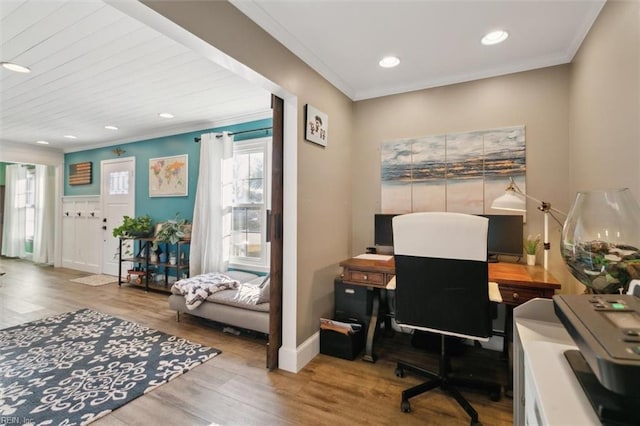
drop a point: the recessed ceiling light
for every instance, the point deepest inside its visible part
(389, 62)
(43, 142)
(15, 67)
(165, 115)
(70, 137)
(111, 127)
(494, 37)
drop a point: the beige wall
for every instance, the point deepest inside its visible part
(324, 206)
(537, 99)
(605, 104)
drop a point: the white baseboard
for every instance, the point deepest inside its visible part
(294, 360)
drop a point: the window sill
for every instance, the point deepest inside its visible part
(249, 267)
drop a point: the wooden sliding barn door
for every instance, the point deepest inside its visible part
(275, 233)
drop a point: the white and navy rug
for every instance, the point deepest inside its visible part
(76, 367)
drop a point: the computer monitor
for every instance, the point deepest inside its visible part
(505, 235)
(383, 235)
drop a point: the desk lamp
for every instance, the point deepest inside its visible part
(515, 200)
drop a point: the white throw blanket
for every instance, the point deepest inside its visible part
(196, 290)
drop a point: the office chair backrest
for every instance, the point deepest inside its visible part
(442, 273)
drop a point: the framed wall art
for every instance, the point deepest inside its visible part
(459, 172)
(316, 127)
(168, 176)
(80, 173)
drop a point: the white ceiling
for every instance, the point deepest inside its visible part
(93, 65)
(437, 41)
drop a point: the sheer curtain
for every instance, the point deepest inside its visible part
(13, 233)
(211, 234)
(44, 214)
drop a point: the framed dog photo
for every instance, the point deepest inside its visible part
(316, 127)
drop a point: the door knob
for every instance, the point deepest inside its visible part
(104, 227)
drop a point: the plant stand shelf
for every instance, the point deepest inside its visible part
(145, 271)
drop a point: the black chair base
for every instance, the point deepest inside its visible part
(447, 383)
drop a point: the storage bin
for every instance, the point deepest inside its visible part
(342, 345)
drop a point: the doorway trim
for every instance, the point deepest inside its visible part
(291, 358)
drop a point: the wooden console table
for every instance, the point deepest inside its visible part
(518, 284)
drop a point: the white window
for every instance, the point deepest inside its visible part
(251, 198)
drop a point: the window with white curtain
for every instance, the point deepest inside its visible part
(30, 204)
(251, 175)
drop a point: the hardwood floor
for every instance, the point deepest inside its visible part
(235, 388)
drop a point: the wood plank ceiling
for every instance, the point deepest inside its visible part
(94, 66)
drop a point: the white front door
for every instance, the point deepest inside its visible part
(118, 189)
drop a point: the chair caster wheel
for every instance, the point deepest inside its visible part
(476, 423)
(405, 407)
(399, 372)
(494, 396)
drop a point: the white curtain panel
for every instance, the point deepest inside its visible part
(13, 234)
(44, 214)
(211, 234)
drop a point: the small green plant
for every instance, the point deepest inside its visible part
(170, 231)
(134, 227)
(531, 244)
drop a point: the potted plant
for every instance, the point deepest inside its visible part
(531, 246)
(171, 231)
(134, 227)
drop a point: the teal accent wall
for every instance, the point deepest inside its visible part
(159, 208)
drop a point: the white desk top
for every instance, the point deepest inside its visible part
(542, 339)
(561, 400)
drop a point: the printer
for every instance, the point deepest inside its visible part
(606, 330)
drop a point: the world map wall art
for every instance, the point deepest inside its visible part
(168, 176)
(461, 172)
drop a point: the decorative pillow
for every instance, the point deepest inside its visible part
(254, 291)
(265, 281)
(247, 294)
(264, 290)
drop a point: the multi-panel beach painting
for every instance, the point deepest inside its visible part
(461, 172)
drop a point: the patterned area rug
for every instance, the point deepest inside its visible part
(95, 280)
(76, 367)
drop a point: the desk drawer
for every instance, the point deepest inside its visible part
(372, 278)
(517, 295)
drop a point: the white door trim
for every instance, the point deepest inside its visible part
(103, 205)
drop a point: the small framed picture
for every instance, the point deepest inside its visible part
(316, 127)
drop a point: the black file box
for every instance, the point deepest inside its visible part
(342, 345)
(352, 301)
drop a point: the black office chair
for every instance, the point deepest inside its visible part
(442, 287)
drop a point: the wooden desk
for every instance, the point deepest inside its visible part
(518, 283)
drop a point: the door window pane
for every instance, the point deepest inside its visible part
(119, 183)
